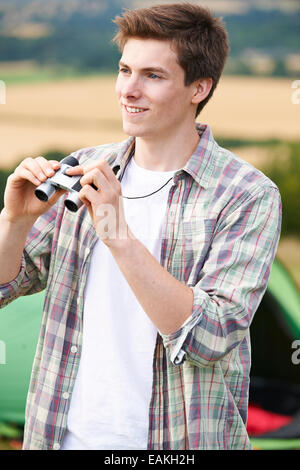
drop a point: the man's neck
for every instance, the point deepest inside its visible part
(166, 154)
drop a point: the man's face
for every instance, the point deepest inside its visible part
(150, 88)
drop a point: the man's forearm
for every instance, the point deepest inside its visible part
(167, 301)
(12, 242)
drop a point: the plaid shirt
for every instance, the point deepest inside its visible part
(220, 235)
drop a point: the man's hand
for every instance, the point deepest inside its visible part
(105, 203)
(21, 209)
(20, 202)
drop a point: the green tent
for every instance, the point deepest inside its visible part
(19, 329)
(275, 377)
(275, 380)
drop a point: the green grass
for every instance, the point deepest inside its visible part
(43, 74)
(275, 444)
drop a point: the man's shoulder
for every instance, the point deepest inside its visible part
(235, 171)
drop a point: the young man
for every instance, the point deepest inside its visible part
(152, 285)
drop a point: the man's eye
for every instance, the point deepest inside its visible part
(153, 76)
(124, 70)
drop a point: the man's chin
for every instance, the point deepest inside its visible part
(132, 131)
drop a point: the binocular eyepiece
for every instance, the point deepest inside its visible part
(60, 180)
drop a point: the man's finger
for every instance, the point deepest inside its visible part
(96, 178)
(75, 170)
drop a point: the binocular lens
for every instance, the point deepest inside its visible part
(45, 191)
(72, 202)
(71, 205)
(41, 195)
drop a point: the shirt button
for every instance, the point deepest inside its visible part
(74, 349)
(66, 395)
(56, 446)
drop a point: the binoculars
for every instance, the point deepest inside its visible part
(60, 180)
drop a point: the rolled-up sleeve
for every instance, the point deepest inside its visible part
(231, 282)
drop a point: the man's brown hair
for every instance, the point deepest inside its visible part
(200, 40)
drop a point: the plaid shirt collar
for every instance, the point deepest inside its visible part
(200, 165)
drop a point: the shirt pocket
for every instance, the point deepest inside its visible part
(197, 232)
(196, 237)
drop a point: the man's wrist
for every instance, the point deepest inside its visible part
(22, 224)
(122, 243)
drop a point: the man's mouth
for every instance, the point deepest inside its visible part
(134, 109)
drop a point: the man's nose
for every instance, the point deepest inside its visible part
(132, 87)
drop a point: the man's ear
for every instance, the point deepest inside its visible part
(201, 90)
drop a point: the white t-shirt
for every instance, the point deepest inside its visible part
(110, 402)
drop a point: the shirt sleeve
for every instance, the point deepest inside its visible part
(231, 283)
(33, 273)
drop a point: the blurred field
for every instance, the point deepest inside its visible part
(64, 115)
(289, 254)
(78, 112)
